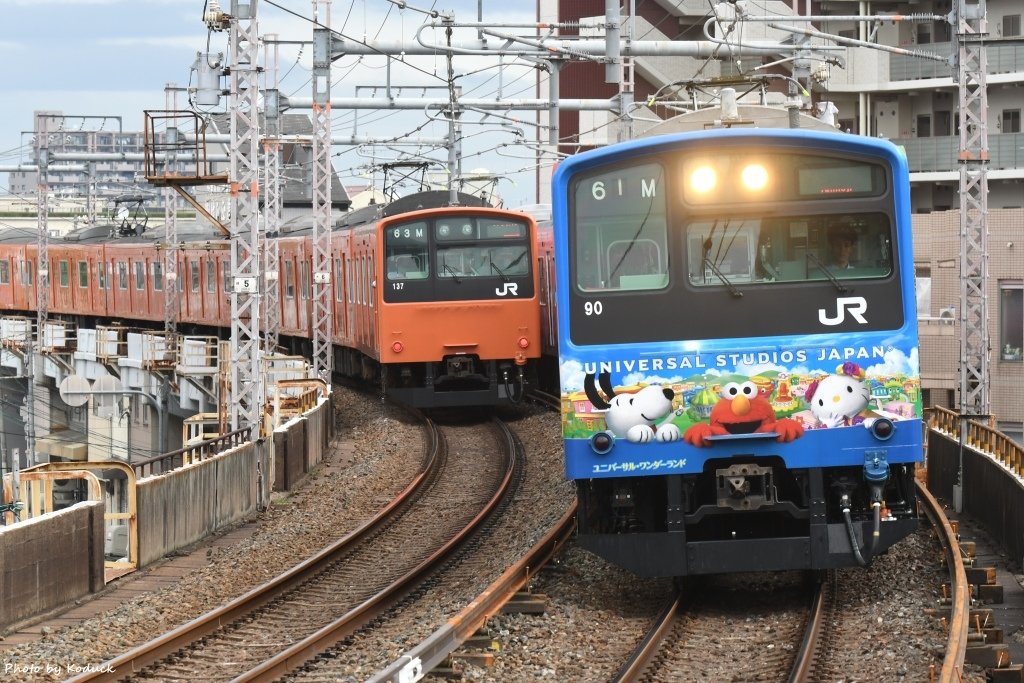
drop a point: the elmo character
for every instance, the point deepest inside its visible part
(742, 410)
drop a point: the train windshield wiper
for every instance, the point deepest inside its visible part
(840, 287)
(446, 267)
(504, 278)
(725, 281)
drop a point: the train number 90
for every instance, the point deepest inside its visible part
(593, 308)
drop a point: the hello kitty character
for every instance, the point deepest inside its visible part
(839, 399)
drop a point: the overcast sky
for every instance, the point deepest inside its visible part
(114, 57)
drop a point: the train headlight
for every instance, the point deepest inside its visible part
(602, 442)
(467, 229)
(754, 177)
(397, 347)
(882, 429)
(703, 179)
(443, 230)
(524, 343)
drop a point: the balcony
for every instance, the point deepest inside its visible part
(1006, 150)
(1001, 59)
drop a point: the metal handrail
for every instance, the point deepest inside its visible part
(193, 453)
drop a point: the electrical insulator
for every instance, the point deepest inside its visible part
(214, 18)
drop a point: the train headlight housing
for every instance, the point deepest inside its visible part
(602, 442)
(397, 347)
(524, 343)
(754, 177)
(703, 179)
(882, 429)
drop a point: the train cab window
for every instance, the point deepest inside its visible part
(477, 246)
(193, 271)
(83, 274)
(140, 275)
(405, 251)
(621, 230)
(211, 275)
(789, 249)
(158, 276)
(122, 275)
(289, 280)
(64, 273)
(5, 272)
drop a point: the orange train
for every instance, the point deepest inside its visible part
(444, 306)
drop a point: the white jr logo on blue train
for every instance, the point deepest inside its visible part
(857, 305)
(509, 288)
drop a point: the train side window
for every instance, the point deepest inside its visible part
(140, 275)
(225, 272)
(5, 272)
(211, 275)
(337, 279)
(289, 280)
(101, 275)
(64, 273)
(304, 276)
(83, 274)
(27, 266)
(348, 280)
(158, 276)
(122, 275)
(193, 267)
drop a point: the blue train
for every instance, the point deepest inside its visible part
(738, 350)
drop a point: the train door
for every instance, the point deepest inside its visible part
(156, 286)
(60, 287)
(139, 290)
(6, 279)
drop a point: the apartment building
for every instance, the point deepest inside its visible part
(909, 99)
(110, 178)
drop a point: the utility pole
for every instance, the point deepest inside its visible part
(323, 356)
(971, 64)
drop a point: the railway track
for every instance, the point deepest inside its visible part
(801, 633)
(290, 619)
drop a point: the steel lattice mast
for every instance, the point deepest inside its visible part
(172, 305)
(974, 342)
(246, 387)
(271, 192)
(322, 320)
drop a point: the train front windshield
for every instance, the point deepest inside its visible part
(457, 257)
(730, 245)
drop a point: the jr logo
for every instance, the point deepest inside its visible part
(857, 305)
(508, 288)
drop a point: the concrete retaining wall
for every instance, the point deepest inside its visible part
(991, 494)
(300, 444)
(50, 561)
(184, 505)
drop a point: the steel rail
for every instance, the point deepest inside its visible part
(144, 655)
(322, 640)
(646, 651)
(959, 616)
(803, 667)
(436, 647)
